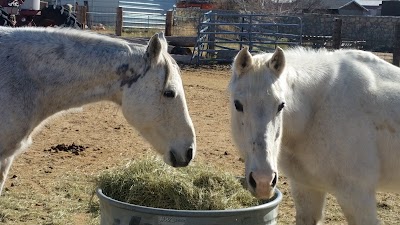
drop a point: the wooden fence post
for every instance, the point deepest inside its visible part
(86, 3)
(118, 25)
(396, 47)
(337, 33)
(81, 14)
(168, 23)
(87, 22)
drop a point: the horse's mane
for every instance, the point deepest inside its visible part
(305, 54)
(304, 61)
(70, 32)
(86, 37)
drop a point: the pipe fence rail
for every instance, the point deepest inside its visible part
(221, 35)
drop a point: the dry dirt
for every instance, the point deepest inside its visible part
(51, 183)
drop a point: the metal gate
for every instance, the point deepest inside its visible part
(221, 35)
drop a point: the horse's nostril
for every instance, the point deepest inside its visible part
(252, 182)
(273, 184)
(189, 154)
(173, 158)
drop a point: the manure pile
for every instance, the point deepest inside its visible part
(150, 182)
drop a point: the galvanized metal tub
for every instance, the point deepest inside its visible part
(113, 212)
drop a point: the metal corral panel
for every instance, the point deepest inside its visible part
(145, 13)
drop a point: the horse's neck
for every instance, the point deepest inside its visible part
(81, 77)
(83, 89)
(306, 89)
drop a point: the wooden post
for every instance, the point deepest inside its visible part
(168, 23)
(81, 15)
(86, 4)
(88, 22)
(118, 25)
(396, 47)
(337, 33)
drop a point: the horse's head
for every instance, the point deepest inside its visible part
(256, 118)
(153, 101)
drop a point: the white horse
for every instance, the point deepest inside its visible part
(46, 70)
(329, 120)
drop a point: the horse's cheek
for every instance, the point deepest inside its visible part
(239, 135)
(127, 111)
(131, 109)
(140, 108)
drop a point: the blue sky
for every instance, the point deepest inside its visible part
(369, 2)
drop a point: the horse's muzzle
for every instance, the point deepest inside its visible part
(262, 185)
(177, 161)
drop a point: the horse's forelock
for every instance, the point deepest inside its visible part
(258, 77)
(260, 68)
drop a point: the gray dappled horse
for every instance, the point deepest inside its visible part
(47, 70)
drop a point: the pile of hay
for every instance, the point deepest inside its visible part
(150, 182)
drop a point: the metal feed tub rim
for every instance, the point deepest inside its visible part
(190, 213)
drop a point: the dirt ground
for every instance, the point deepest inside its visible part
(47, 185)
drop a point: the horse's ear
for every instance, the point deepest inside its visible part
(277, 61)
(243, 61)
(154, 47)
(163, 40)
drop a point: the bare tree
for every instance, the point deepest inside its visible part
(271, 6)
(308, 6)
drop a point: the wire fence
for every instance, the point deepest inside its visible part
(143, 21)
(107, 19)
(101, 20)
(186, 21)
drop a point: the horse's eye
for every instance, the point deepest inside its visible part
(169, 94)
(280, 107)
(238, 106)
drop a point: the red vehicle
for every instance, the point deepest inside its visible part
(201, 4)
(17, 13)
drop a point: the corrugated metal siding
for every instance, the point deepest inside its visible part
(136, 14)
(145, 13)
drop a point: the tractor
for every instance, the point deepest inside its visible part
(18, 13)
